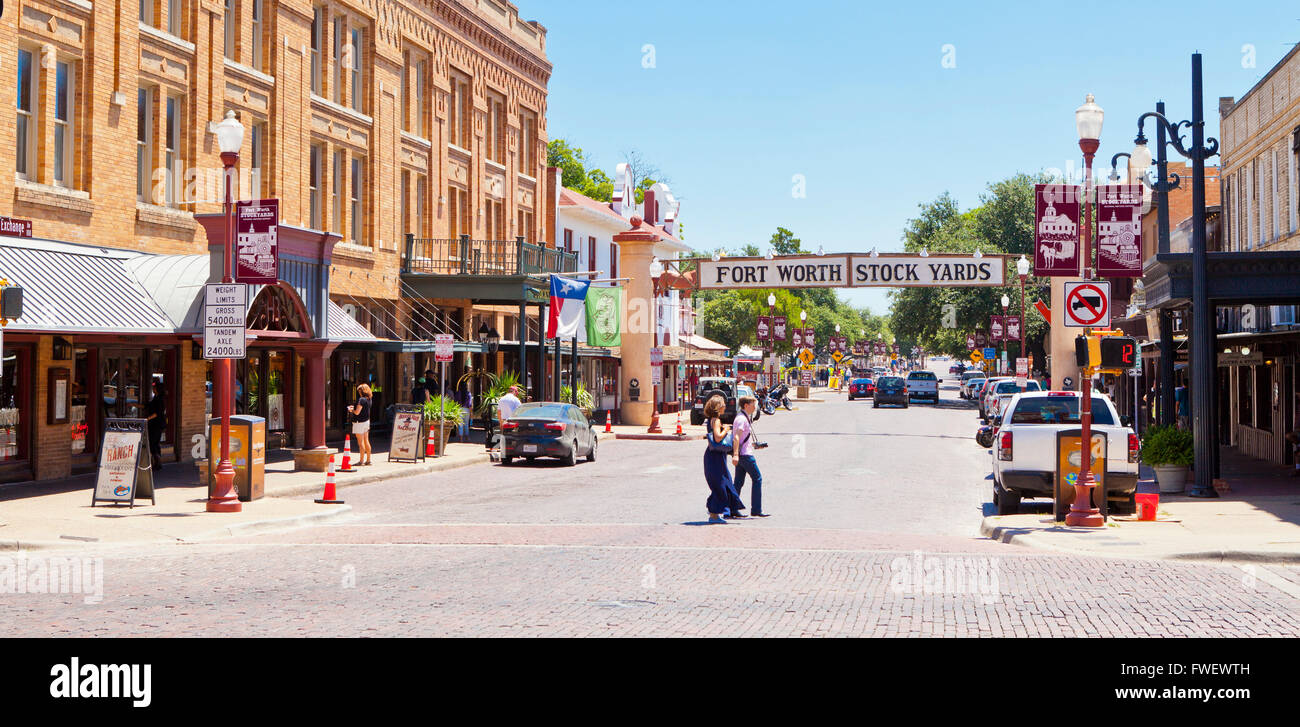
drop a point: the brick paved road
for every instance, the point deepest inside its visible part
(608, 549)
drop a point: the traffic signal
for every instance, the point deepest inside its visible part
(1106, 352)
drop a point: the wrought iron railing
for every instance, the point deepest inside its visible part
(463, 256)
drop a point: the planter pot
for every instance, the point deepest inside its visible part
(440, 445)
(1172, 478)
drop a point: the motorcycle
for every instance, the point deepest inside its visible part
(986, 436)
(766, 403)
(781, 395)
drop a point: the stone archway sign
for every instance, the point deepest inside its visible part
(885, 270)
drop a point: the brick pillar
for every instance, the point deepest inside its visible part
(636, 250)
(192, 398)
(52, 447)
(314, 407)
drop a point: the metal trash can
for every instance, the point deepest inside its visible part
(247, 454)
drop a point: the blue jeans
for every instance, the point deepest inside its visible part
(749, 465)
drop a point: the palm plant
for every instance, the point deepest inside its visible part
(444, 409)
(585, 401)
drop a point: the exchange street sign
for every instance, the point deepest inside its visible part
(225, 308)
(892, 270)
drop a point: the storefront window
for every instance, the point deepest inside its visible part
(1244, 395)
(1264, 398)
(277, 369)
(13, 424)
(80, 401)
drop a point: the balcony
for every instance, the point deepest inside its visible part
(496, 271)
(464, 256)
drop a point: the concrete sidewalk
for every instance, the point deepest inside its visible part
(1253, 522)
(59, 515)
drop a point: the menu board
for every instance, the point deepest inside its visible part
(407, 427)
(125, 468)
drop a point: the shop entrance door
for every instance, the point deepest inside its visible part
(122, 385)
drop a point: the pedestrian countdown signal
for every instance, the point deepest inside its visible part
(1106, 352)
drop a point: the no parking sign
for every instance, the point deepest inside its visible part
(1087, 303)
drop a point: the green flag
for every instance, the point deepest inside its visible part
(604, 317)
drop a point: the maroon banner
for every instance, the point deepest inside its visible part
(809, 337)
(778, 328)
(970, 343)
(257, 249)
(1119, 231)
(797, 338)
(1056, 230)
(764, 328)
(981, 340)
(1011, 330)
(996, 333)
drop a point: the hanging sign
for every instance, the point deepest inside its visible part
(808, 337)
(981, 340)
(1119, 231)
(1056, 230)
(764, 327)
(778, 327)
(970, 343)
(995, 329)
(797, 337)
(125, 468)
(1011, 328)
(408, 426)
(257, 248)
(890, 270)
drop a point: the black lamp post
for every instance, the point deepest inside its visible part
(1164, 184)
(1202, 358)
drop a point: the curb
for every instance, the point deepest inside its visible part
(252, 526)
(1012, 536)
(428, 468)
(660, 437)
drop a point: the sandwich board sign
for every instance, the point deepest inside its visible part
(408, 425)
(125, 468)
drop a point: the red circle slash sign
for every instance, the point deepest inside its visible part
(1085, 301)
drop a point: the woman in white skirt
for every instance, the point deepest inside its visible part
(361, 423)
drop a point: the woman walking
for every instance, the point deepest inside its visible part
(157, 411)
(361, 423)
(722, 494)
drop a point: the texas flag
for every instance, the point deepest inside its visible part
(568, 307)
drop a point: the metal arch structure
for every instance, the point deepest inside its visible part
(853, 270)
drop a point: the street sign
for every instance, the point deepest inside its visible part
(656, 356)
(1022, 372)
(1087, 303)
(806, 357)
(14, 227)
(977, 356)
(257, 246)
(657, 366)
(443, 344)
(225, 308)
(837, 356)
(990, 354)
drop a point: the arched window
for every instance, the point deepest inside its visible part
(277, 309)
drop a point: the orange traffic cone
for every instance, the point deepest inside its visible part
(679, 424)
(331, 496)
(431, 447)
(347, 454)
(609, 421)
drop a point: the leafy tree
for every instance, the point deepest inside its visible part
(785, 243)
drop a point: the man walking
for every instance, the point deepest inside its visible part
(506, 407)
(742, 457)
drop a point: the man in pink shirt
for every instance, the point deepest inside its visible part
(742, 453)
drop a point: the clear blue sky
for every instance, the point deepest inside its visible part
(854, 96)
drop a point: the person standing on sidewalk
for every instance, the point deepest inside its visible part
(742, 458)
(506, 407)
(157, 410)
(361, 423)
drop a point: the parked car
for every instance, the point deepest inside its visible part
(744, 389)
(890, 390)
(969, 386)
(1024, 459)
(548, 429)
(923, 385)
(1003, 392)
(966, 376)
(986, 391)
(709, 386)
(956, 369)
(861, 388)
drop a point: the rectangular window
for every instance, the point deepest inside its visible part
(146, 11)
(317, 27)
(338, 59)
(459, 112)
(1245, 391)
(357, 191)
(406, 207)
(454, 217)
(406, 90)
(1249, 208)
(257, 142)
(314, 186)
(144, 145)
(1277, 200)
(526, 225)
(528, 145)
(421, 99)
(336, 193)
(613, 260)
(357, 96)
(1293, 188)
(27, 96)
(64, 83)
(256, 60)
(495, 143)
(230, 30)
(172, 138)
(174, 17)
(1262, 221)
(591, 255)
(1264, 398)
(421, 191)
(568, 240)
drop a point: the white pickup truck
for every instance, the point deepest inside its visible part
(923, 385)
(1024, 448)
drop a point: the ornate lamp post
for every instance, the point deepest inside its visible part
(1022, 269)
(230, 137)
(771, 338)
(656, 272)
(1088, 120)
(1006, 303)
(1202, 359)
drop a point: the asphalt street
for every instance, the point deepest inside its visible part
(874, 532)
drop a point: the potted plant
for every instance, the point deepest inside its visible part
(447, 411)
(585, 401)
(1170, 453)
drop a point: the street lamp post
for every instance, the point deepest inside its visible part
(1006, 303)
(1202, 359)
(771, 338)
(656, 272)
(1088, 120)
(1022, 268)
(224, 498)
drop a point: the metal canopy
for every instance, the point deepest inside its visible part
(483, 289)
(1263, 278)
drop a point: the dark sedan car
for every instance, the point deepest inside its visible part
(890, 390)
(548, 429)
(861, 388)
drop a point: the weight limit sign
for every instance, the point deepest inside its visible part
(1087, 304)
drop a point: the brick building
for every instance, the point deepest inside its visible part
(374, 123)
